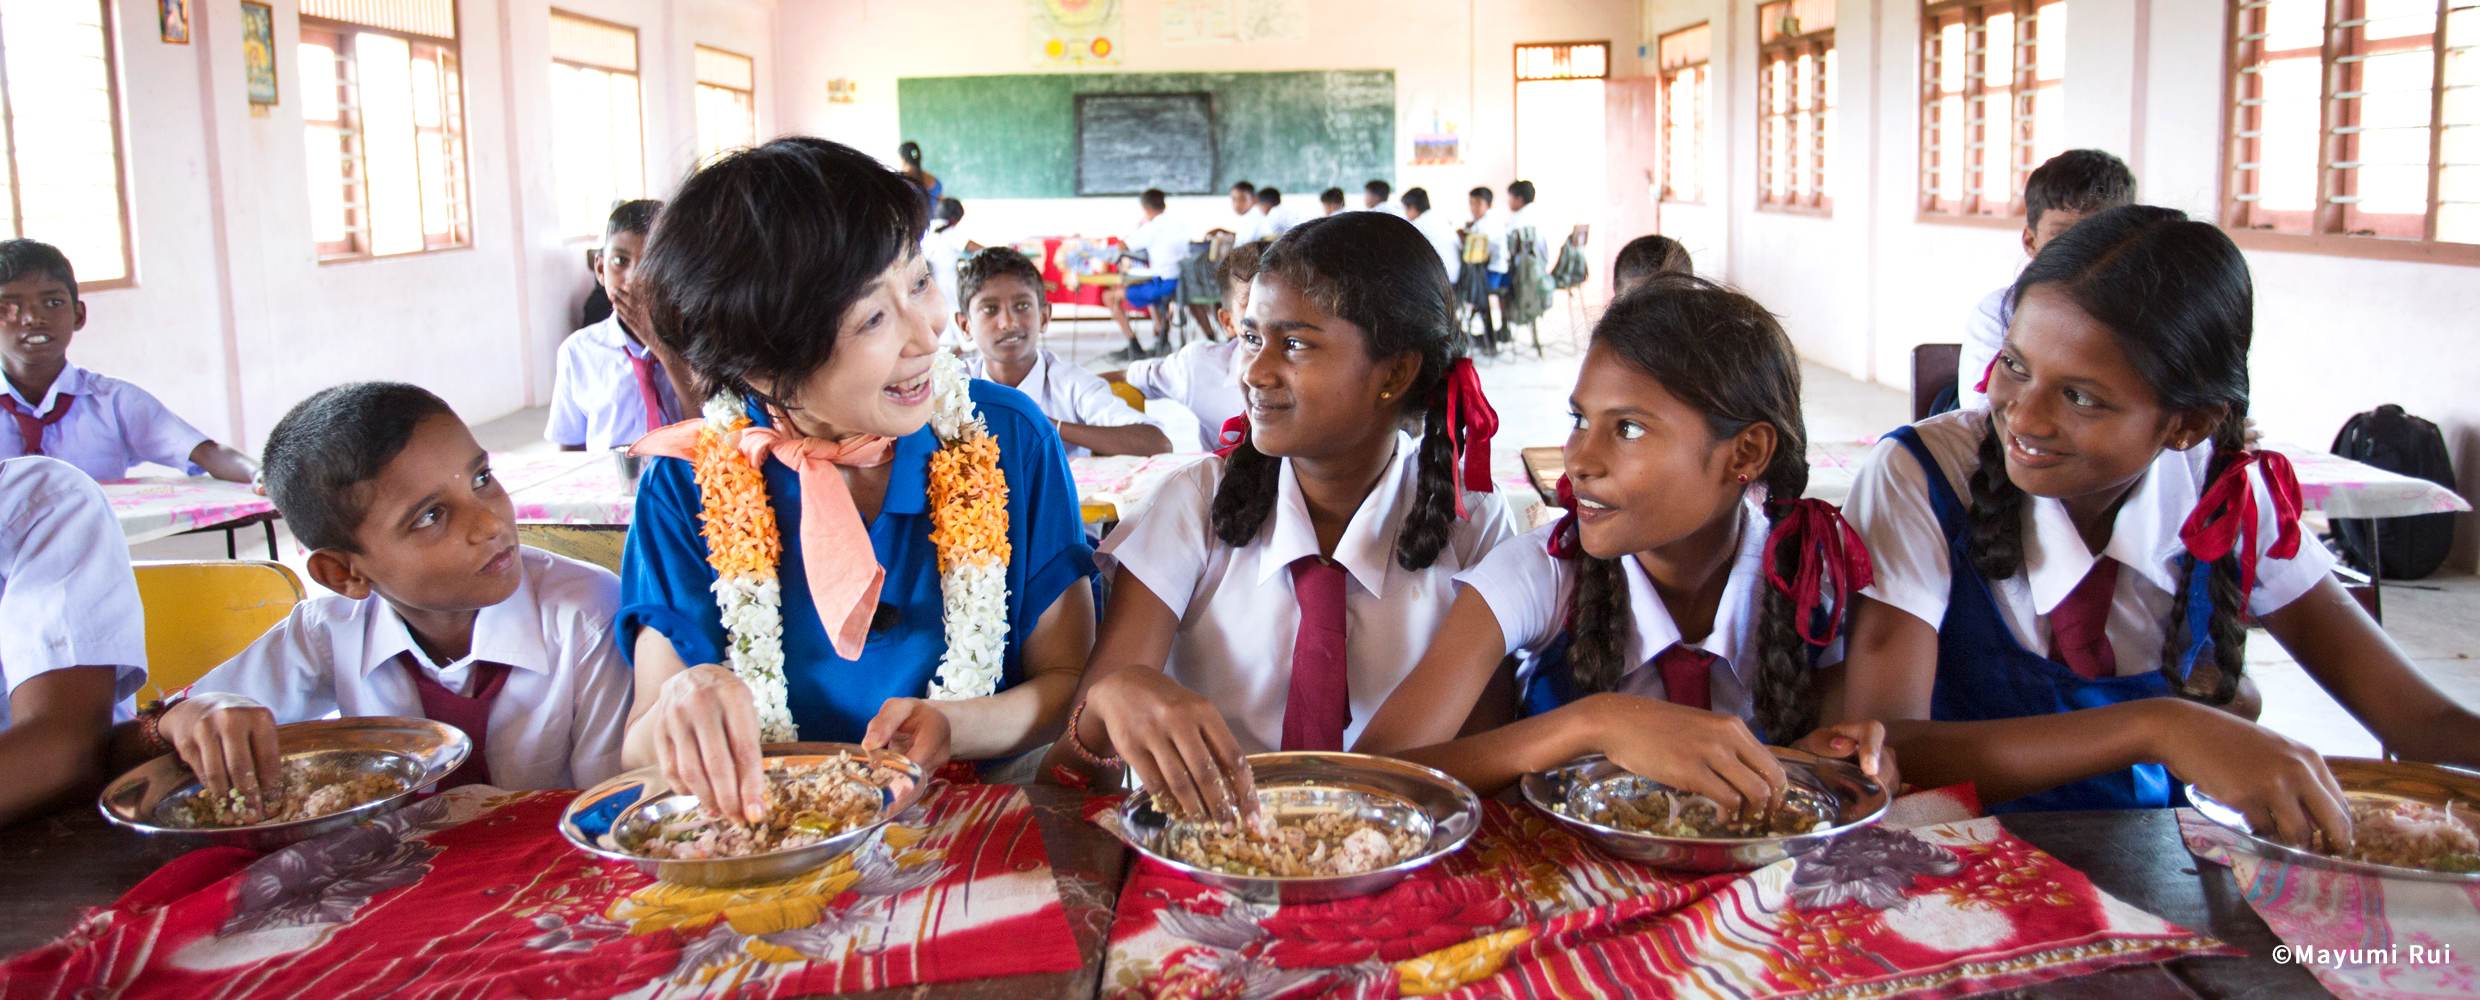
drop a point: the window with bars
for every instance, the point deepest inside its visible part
(2357, 118)
(1992, 103)
(1795, 104)
(598, 144)
(383, 127)
(60, 120)
(1686, 59)
(727, 102)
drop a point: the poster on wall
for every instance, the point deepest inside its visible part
(1073, 32)
(173, 21)
(1232, 22)
(258, 52)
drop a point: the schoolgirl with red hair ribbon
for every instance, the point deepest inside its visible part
(1675, 617)
(2060, 577)
(1273, 597)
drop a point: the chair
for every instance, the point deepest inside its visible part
(1933, 374)
(200, 614)
(1128, 394)
(600, 544)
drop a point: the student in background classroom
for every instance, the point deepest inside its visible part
(944, 246)
(1199, 375)
(1248, 224)
(98, 423)
(1661, 618)
(1438, 228)
(932, 190)
(611, 386)
(1645, 258)
(1278, 220)
(1157, 245)
(2068, 188)
(74, 647)
(2059, 578)
(1330, 201)
(1491, 226)
(438, 613)
(1005, 312)
(1374, 197)
(1273, 597)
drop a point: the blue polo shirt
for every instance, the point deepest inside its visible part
(665, 581)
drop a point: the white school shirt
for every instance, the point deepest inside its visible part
(1068, 394)
(1238, 618)
(1199, 377)
(595, 401)
(66, 594)
(1440, 232)
(1281, 221)
(1250, 226)
(558, 720)
(1493, 224)
(1889, 505)
(1528, 589)
(1164, 242)
(943, 248)
(112, 426)
(1984, 335)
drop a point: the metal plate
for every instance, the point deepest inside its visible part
(1859, 801)
(1395, 792)
(2362, 778)
(641, 797)
(417, 750)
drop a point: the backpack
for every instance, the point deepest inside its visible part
(2407, 547)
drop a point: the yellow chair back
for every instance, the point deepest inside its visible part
(1129, 394)
(200, 614)
(600, 544)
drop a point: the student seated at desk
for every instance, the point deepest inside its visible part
(611, 387)
(1278, 220)
(1248, 224)
(1644, 259)
(1005, 312)
(1374, 197)
(98, 423)
(1439, 229)
(1330, 201)
(438, 613)
(2060, 193)
(1199, 376)
(74, 646)
(1159, 244)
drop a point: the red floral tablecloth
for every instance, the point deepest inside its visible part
(472, 894)
(1938, 910)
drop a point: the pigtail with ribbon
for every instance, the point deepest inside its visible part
(1829, 564)
(1235, 430)
(2225, 524)
(1471, 423)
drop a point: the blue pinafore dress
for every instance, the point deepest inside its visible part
(1983, 673)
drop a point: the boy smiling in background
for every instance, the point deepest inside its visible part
(1005, 312)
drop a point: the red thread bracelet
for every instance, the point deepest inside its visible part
(1078, 745)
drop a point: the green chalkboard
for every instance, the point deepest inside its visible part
(1015, 136)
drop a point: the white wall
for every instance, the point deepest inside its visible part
(233, 320)
(2334, 335)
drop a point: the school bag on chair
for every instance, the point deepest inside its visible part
(1571, 270)
(2407, 548)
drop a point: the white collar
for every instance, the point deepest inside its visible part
(609, 333)
(978, 366)
(509, 632)
(1657, 631)
(2144, 536)
(1367, 548)
(73, 381)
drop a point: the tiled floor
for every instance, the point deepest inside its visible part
(2436, 621)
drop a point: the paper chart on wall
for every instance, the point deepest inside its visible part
(1227, 22)
(1073, 32)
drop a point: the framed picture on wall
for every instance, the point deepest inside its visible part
(258, 51)
(174, 20)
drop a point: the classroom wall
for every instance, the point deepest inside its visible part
(2334, 335)
(232, 320)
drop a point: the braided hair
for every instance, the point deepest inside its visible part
(1721, 353)
(2176, 297)
(1378, 273)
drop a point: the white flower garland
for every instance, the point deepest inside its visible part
(751, 603)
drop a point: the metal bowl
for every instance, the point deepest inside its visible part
(418, 751)
(1859, 801)
(623, 809)
(2362, 778)
(1381, 789)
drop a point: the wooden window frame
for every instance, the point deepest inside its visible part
(1697, 75)
(2335, 178)
(120, 151)
(636, 75)
(2024, 93)
(750, 95)
(1603, 45)
(1787, 52)
(356, 246)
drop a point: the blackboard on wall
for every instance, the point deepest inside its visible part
(1126, 143)
(1015, 136)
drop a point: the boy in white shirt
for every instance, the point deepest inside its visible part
(74, 647)
(1438, 229)
(1162, 242)
(1248, 224)
(1276, 220)
(1005, 311)
(2060, 193)
(97, 423)
(442, 615)
(610, 387)
(1199, 376)
(1330, 201)
(1491, 225)
(1374, 197)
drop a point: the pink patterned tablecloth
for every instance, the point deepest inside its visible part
(2327, 482)
(149, 509)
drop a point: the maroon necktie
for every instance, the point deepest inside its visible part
(2079, 630)
(30, 427)
(649, 375)
(1687, 676)
(470, 713)
(1319, 704)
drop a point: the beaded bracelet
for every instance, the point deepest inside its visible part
(1078, 745)
(150, 726)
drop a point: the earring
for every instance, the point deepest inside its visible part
(1386, 395)
(1743, 479)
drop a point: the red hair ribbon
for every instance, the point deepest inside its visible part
(1564, 543)
(1471, 423)
(1832, 563)
(2226, 515)
(1982, 386)
(1235, 430)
